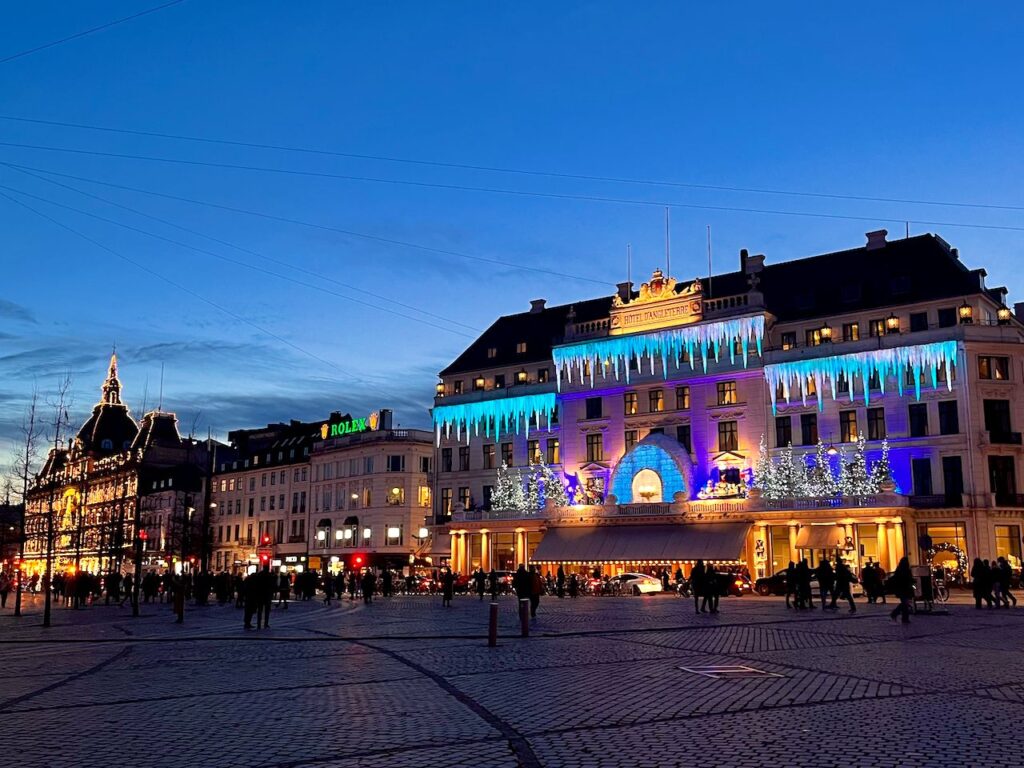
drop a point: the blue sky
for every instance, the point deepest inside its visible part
(910, 101)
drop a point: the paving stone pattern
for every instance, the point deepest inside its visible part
(600, 682)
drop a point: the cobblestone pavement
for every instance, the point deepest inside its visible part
(600, 682)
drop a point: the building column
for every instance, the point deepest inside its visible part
(792, 542)
(485, 550)
(454, 559)
(520, 548)
(899, 548)
(883, 547)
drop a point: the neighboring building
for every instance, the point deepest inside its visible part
(10, 535)
(371, 493)
(85, 495)
(652, 404)
(261, 497)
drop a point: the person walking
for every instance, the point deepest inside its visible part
(447, 588)
(284, 590)
(1006, 578)
(980, 586)
(369, 586)
(710, 590)
(352, 585)
(495, 584)
(265, 584)
(536, 588)
(387, 580)
(902, 584)
(5, 589)
(248, 592)
(844, 578)
(826, 583)
(328, 588)
(126, 592)
(560, 582)
(480, 580)
(791, 584)
(574, 586)
(804, 597)
(697, 576)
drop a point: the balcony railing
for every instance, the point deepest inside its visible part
(296, 538)
(1004, 438)
(1015, 500)
(936, 500)
(655, 508)
(826, 502)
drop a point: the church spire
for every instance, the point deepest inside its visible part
(112, 386)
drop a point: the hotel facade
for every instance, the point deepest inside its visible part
(679, 415)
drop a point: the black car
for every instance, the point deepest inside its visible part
(776, 585)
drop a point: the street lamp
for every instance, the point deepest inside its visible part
(966, 312)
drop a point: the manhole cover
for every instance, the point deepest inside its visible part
(728, 672)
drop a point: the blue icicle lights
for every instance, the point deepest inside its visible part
(862, 366)
(615, 352)
(504, 412)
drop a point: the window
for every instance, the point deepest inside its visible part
(488, 493)
(506, 454)
(302, 502)
(353, 467)
(252, 504)
(446, 502)
(727, 436)
(499, 380)
(847, 426)
(295, 502)
(542, 375)
(683, 436)
(393, 535)
(595, 447)
(997, 368)
(657, 431)
(682, 398)
(396, 463)
(492, 352)
(727, 393)
(446, 459)
(327, 501)
(918, 321)
(457, 387)
(921, 471)
(520, 347)
(918, 419)
(263, 480)
(657, 400)
(947, 317)
(631, 403)
(631, 438)
(263, 503)
(273, 475)
(1002, 478)
(812, 337)
(783, 431)
(533, 451)
(949, 419)
(464, 458)
(1008, 544)
(488, 451)
(877, 327)
(368, 465)
(424, 464)
(876, 424)
(553, 454)
(464, 496)
(593, 406)
(280, 501)
(874, 381)
(851, 332)
(789, 340)
(953, 478)
(252, 483)
(997, 416)
(842, 384)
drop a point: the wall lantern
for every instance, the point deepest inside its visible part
(478, 382)
(521, 377)
(440, 389)
(825, 334)
(966, 312)
(892, 324)
(1003, 315)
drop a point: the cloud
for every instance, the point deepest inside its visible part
(11, 311)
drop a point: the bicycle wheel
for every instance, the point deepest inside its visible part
(941, 593)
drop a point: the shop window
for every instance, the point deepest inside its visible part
(946, 539)
(781, 552)
(1008, 544)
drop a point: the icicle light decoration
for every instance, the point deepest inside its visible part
(505, 412)
(861, 366)
(615, 352)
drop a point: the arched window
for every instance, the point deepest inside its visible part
(107, 445)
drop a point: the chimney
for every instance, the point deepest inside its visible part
(624, 290)
(876, 239)
(743, 259)
(1018, 311)
(537, 305)
(955, 253)
(385, 419)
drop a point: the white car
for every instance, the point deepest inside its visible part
(639, 583)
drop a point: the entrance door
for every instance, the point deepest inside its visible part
(1002, 478)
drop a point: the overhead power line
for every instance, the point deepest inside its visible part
(86, 32)
(502, 191)
(511, 171)
(315, 225)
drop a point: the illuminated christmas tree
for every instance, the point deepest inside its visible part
(854, 478)
(881, 472)
(552, 487)
(534, 499)
(821, 480)
(508, 490)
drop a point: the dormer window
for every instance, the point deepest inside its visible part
(521, 348)
(107, 445)
(492, 352)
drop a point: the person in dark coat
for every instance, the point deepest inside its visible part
(352, 585)
(480, 580)
(574, 586)
(826, 583)
(844, 578)
(369, 586)
(980, 584)
(536, 588)
(328, 588)
(1006, 579)
(791, 584)
(560, 581)
(521, 583)
(265, 584)
(712, 588)
(697, 579)
(447, 587)
(387, 580)
(284, 590)
(249, 592)
(495, 584)
(804, 599)
(902, 585)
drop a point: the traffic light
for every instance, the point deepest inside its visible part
(143, 535)
(357, 560)
(264, 558)
(265, 540)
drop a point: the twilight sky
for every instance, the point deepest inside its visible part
(263, 317)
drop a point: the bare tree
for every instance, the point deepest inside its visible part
(60, 404)
(22, 467)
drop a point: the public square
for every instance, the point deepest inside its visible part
(599, 682)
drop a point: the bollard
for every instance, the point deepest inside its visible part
(492, 626)
(524, 617)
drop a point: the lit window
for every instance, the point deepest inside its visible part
(727, 393)
(492, 352)
(521, 348)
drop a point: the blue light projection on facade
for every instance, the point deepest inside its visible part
(616, 352)
(862, 366)
(505, 413)
(650, 457)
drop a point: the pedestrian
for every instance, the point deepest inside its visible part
(574, 586)
(980, 586)
(129, 585)
(495, 584)
(238, 585)
(5, 589)
(249, 594)
(264, 596)
(804, 598)
(387, 579)
(826, 582)
(697, 579)
(560, 581)
(480, 580)
(447, 587)
(369, 585)
(284, 590)
(328, 588)
(536, 588)
(844, 578)
(1006, 578)
(664, 580)
(522, 584)
(791, 584)
(902, 586)
(711, 586)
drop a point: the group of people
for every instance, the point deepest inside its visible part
(704, 587)
(991, 583)
(834, 583)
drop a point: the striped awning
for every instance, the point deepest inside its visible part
(643, 543)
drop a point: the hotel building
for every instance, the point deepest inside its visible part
(652, 406)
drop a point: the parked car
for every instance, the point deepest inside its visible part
(463, 582)
(638, 583)
(776, 584)
(504, 582)
(734, 584)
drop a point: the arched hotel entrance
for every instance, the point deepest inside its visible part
(653, 470)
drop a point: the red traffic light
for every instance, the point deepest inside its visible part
(265, 539)
(143, 535)
(357, 560)
(264, 558)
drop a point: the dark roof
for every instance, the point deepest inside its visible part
(914, 269)
(158, 429)
(109, 421)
